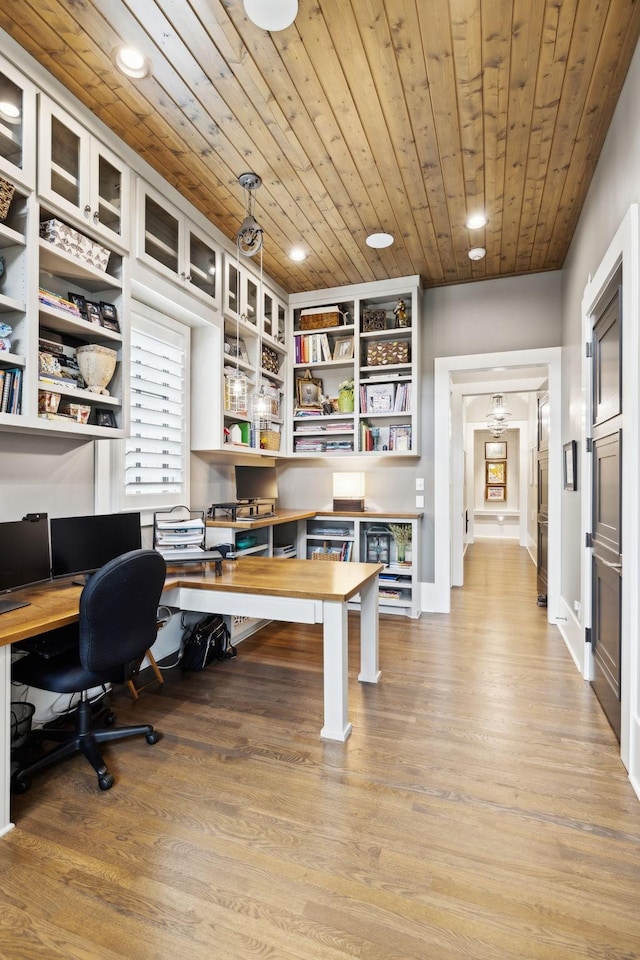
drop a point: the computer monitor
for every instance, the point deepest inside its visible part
(24, 557)
(81, 545)
(256, 483)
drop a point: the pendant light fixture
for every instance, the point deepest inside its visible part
(497, 415)
(250, 235)
(271, 15)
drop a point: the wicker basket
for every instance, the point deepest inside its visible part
(324, 555)
(314, 321)
(7, 191)
(269, 440)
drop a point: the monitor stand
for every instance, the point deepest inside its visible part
(7, 605)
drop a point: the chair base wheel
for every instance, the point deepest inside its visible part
(152, 737)
(21, 786)
(105, 781)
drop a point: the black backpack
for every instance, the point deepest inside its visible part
(206, 640)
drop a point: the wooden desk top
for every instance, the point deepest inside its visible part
(55, 604)
(281, 516)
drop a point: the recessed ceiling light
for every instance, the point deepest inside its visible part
(476, 221)
(477, 253)
(379, 240)
(131, 62)
(9, 111)
(297, 254)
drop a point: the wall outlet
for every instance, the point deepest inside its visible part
(420, 502)
(419, 483)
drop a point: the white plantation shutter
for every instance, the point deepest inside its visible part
(156, 452)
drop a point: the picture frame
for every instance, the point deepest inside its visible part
(79, 301)
(495, 493)
(105, 417)
(495, 471)
(495, 450)
(109, 316)
(569, 465)
(308, 391)
(343, 348)
(93, 312)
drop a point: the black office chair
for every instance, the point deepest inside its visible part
(118, 611)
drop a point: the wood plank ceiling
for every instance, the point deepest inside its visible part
(396, 115)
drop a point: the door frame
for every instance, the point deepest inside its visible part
(444, 437)
(624, 251)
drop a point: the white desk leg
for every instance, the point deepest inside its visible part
(369, 632)
(335, 665)
(5, 740)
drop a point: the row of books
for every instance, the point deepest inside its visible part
(11, 390)
(312, 348)
(49, 299)
(385, 397)
(396, 437)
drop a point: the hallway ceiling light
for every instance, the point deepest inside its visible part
(271, 15)
(497, 415)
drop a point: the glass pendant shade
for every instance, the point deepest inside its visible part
(236, 392)
(271, 15)
(497, 415)
(261, 410)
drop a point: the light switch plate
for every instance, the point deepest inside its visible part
(419, 483)
(420, 502)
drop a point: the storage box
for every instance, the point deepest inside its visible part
(48, 402)
(76, 411)
(314, 320)
(387, 352)
(269, 440)
(374, 320)
(77, 244)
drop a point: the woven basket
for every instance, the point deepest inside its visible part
(269, 440)
(7, 191)
(321, 555)
(314, 321)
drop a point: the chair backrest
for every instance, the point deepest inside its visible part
(118, 610)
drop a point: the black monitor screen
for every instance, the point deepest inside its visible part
(84, 544)
(256, 483)
(24, 552)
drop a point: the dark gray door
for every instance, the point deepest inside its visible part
(606, 432)
(543, 497)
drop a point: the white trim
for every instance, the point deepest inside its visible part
(571, 630)
(624, 249)
(443, 368)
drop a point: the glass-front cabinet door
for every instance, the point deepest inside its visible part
(17, 126)
(80, 175)
(203, 271)
(161, 236)
(241, 300)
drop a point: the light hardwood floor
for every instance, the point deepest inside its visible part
(479, 810)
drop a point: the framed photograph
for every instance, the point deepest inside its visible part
(569, 462)
(495, 450)
(105, 418)
(109, 316)
(495, 492)
(308, 390)
(343, 349)
(93, 312)
(496, 471)
(79, 301)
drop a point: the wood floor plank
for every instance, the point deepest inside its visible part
(479, 810)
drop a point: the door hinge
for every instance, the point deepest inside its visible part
(587, 635)
(588, 349)
(589, 445)
(588, 540)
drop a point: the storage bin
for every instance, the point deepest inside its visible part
(313, 321)
(386, 352)
(269, 440)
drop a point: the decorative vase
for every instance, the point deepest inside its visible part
(401, 551)
(97, 365)
(345, 401)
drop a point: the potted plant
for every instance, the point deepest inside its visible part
(345, 396)
(401, 533)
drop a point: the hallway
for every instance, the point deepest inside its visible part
(478, 812)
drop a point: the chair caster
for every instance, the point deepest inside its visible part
(21, 785)
(109, 719)
(105, 781)
(152, 737)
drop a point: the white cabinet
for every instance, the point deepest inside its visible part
(80, 176)
(355, 381)
(174, 246)
(17, 126)
(369, 538)
(240, 293)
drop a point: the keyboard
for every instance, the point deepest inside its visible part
(51, 644)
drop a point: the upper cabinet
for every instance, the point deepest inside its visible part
(17, 126)
(171, 244)
(240, 293)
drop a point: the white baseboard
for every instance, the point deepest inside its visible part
(573, 635)
(634, 756)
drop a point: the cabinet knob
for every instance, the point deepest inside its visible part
(96, 216)
(87, 208)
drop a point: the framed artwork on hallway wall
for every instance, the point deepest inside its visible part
(495, 493)
(496, 471)
(495, 450)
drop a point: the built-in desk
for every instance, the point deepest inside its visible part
(298, 591)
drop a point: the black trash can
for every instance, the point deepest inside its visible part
(21, 716)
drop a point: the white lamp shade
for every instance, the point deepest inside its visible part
(348, 485)
(271, 15)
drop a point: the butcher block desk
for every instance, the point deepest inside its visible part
(295, 591)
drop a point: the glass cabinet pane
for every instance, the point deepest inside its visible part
(267, 315)
(65, 162)
(109, 195)
(202, 265)
(233, 288)
(280, 331)
(160, 235)
(252, 300)
(11, 121)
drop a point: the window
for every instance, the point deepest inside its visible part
(150, 469)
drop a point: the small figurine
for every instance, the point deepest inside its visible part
(400, 311)
(325, 403)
